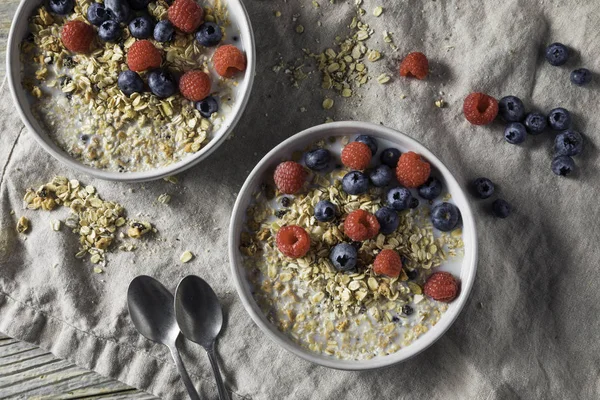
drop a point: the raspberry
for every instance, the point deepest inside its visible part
(361, 225)
(228, 59)
(142, 55)
(480, 109)
(412, 170)
(77, 36)
(186, 15)
(356, 155)
(441, 286)
(293, 241)
(414, 65)
(388, 262)
(289, 177)
(194, 85)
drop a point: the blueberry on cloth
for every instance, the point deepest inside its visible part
(535, 123)
(581, 76)
(445, 216)
(511, 109)
(343, 257)
(563, 165)
(483, 188)
(317, 159)
(559, 119)
(568, 143)
(557, 54)
(501, 208)
(515, 133)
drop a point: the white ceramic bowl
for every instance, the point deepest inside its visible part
(19, 29)
(464, 268)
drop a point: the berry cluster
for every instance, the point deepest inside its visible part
(484, 188)
(557, 54)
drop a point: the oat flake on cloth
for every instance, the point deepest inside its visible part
(530, 328)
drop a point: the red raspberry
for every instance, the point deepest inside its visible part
(356, 155)
(289, 177)
(414, 65)
(412, 170)
(186, 15)
(361, 225)
(228, 59)
(142, 55)
(77, 36)
(293, 241)
(480, 109)
(388, 262)
(441, 286)
(194, 85)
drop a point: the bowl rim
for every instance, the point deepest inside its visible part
(315, 133)
(13, 76)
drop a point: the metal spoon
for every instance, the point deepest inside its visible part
(200, 319)
(151, 309)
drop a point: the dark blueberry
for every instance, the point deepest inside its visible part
(109, 31)
(568, 143)
(280, 213)
(369, 141)
(139, 5)
(163, 31)
(356, 245)
(445, 216)
(207, 106)
(130, 82)
(209, 34)
(563, 165)
(97, 14)
(141, 27)
(581, 76)
(343, 257)
(511, 109)
(317, 159)
(286, 202)
(355, 182)
(388, 220)
(399, 198)
(483, 188)
(61, 7)
(557, 54)
(407, 310)
(119, 9)
(395, 319)
(162, 83)
(535, 123)
(381, 176)
(431, 189)
(325, 211)
(84, 138)
(501, 208)
(515, 133)
(559, 119)
(390, 157)
(412, 274)
(414, 203)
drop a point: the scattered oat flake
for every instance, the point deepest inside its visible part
(378, 11)
(164, 198)
(383, 78)
(22, 225)
(299, 29)
(347, 93)
(55, 224)
(440, 103)
(98, 270)
(277, 13)
(327, 103)
(186, 256)
(171, 179)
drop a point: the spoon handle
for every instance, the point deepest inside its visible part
(183, 373)
(223, 395)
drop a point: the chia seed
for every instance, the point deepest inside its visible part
(407, 310)
(286, 202)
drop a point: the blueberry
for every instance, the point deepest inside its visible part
(388, 220)
(535, 123)
(344, 257)
(97, 14)
(390, 157)
(581, 76)
(511, 108)
(369, 141)
(414, 203)
(411, 274)
(568, 143)
(109, 31)
(559, 119)
(501, 208)
(207, 106)
(209, 34)
(130, 82)
(381, 176)
(407, 310)
(119, 9)
(563, 165)
(483, 188)
(557, 54)
(325, 211)
(139, 5)
(317, 159)
(163, 31)
(141, 27)
(515, 133)
(162, 83)
(61, 7)
(399, 198)
(355, 182)
(431, 189)
(445, 216)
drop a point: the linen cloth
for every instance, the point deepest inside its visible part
(530, 328)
